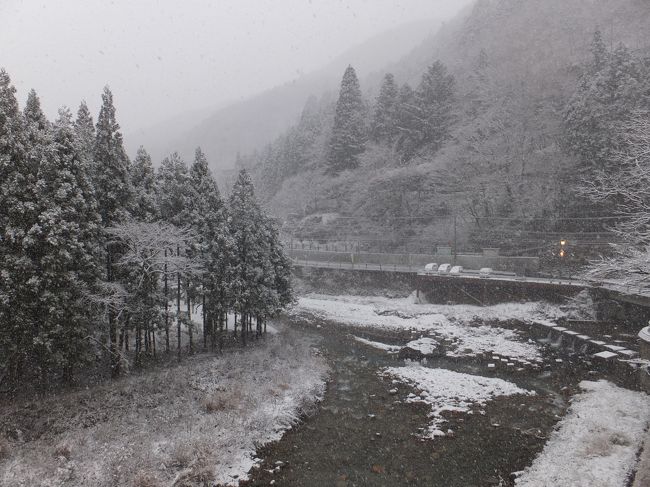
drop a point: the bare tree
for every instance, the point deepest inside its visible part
(628, 193)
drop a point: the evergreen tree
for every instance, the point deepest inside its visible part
(612, 87)
(426, 119)
(348, 133)
(208, 218)
(600, 55)
(84, 127)
(143, 182)
(435, 99)
(172, 189)
(111, 174)
(250, 266)
(15, 325)
(407, 123)
(382, 127)
(68, 239)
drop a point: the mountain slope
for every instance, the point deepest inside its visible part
(504, 160)
(249, 124)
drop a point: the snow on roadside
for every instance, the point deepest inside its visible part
(443, 321)
(445, 390)
(596, 443)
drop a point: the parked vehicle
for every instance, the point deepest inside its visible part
(456, 270)
(485, 272)
(431, 268)
(444, 268)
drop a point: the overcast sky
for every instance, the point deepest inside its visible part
(164, 57)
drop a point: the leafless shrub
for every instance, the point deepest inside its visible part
(200, 475)
(145, 479)
(182, 456)
(222, 401)
(62, 450)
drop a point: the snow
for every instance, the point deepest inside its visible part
(208, 415)
(425, 345)
(379, 345)
(446, 390)
(596, 443)
(449, 322)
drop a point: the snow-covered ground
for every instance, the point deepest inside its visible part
(596, 443)
(453, 323)
(194, 424)
(445, 390)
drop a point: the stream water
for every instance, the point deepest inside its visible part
(362, 435)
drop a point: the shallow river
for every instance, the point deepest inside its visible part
(361, 434)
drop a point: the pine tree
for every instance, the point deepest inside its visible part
(69, 242)
(348, 133)
(407, 123)
(114, 196)
(208, 218)
(246, 228)
(604, 101)
(15, 326)
(435, 99)
(111, 174)
(85, 129)
(143, 182)
(172, 189)
(600, 55)
(382, 127)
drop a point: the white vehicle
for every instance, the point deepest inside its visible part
(431, 268)
(456, 270)
(485, 272)
(444, 268)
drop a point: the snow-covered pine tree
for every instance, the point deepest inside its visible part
(111, 175)
(435, 100)
(612, 88)
(348, 133)
(114, 193)
(15, 326)
(250, 264)
(382, 126)
(84, 127)
(172, 190)
(143, 182)
(407, 123)
(69, 232)
(208, 218)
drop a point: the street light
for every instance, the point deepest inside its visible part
(562, 251)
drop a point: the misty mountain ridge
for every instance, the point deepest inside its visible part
(247, 125)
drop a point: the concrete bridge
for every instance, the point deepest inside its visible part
(619, 302)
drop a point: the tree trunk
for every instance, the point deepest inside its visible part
(166, 308)
(190, 325)
(178, 306)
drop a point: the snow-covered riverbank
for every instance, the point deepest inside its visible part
(183, 425)
(455, 324)
(596, 444)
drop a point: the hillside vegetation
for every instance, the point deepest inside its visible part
(474, 136)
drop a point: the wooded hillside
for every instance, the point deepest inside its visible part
(476, 129)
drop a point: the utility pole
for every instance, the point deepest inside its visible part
(455, 240)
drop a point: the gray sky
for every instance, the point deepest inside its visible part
(164, 57)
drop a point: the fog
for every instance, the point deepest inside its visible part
(162, 58)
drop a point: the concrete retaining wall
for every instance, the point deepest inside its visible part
(519, 265)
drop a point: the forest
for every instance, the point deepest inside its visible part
(494, 136)
(104, 260)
